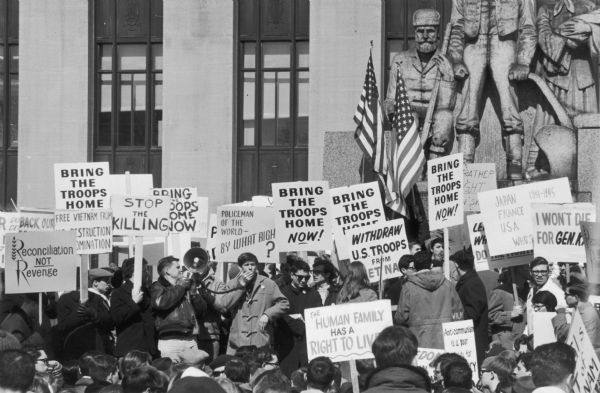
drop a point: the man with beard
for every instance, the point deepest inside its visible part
(418, 67)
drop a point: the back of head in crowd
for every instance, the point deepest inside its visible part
(133, 359)
(86, 360)
(272, 381)
(320, 373)
(459, 375)
(127, 267)
(70, 372)
(553, 365)
(145, 379)
(544, 301)
(422, 260)
(395, 345)
(405, 261)
(578, 288)
(17, 369)
(502, 367)
(464, 260)
(237, 370)
(103, 368)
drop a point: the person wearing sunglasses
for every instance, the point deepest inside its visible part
(541, 281)
(290, 331)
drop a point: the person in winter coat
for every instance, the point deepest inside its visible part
(255, 303)
(426, 301)
(471, 292)
(290, 331)
(356, 286)
(394, 350)
(324, 280)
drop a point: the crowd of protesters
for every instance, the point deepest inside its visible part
(188, 331)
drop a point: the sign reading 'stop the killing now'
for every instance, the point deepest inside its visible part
(141, 215)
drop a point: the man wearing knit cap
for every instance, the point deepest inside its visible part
(255, 303)
(87, 326)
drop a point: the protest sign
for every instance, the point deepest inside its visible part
(595, 300)
(9, 222)
(188, 212)
(140, 215)
(512, 259)
(506, 213)
(352, 207)
(445, 191)
(346, 331)
(82, 185)
(424, 358)
(379, 244)
(557, 233)
(587, 366)
(93, 229)
(302, 216)
(245, 229)
(478, 177)
(542, 326)
(591, 241)
(36, 221)
(211, 240)
(262, 201)
(40, 262)
(478, 242)
(139, 183)
(460, 338)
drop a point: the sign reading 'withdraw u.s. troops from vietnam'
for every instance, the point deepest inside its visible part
(346, 331)
(379, 245)
(93, 229)
(506, 213)
(141, 215)
(302, 216)
(352, 207)
(245, 229)
(587, 366)
(82, 185)
(40, 262)
(445, 191)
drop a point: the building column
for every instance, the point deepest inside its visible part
(53, 94)
(198, 46)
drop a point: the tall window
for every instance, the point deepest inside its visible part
(9, 93)
(272, 129)
(128, 85)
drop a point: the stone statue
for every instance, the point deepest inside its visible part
(419, 68)
(568, 37)
(496, 37)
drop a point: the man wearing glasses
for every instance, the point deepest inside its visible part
(540, 280)
(290, 334)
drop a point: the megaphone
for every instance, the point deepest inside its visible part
(196, 260)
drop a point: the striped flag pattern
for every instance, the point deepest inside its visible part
(406, 156)
(369, 122)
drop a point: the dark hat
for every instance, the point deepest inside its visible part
(220, 361)
(196, 384)
(99, 274)
(164, 262)
(8, 341)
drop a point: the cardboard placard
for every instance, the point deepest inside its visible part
(346, 331)
(587, 366)
(352, 207)
(211, 240)
(478, 177)
(36, 221)
(557, 233)
(189, 213)
(140, 183)
(140, 215)
(506, 213)
(459, 338)
(302, 216)
(543, 329)
(9, 222)
(424, 358)
(93, 229)
(40, 262)
(512, 259)
(591, 242)
(245, 229)
(81, 186)
(373, 245)
(445, 191)
(478, 242)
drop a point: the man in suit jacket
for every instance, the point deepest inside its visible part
(131, 311)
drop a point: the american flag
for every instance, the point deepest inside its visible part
(406, 156)
(369, 122)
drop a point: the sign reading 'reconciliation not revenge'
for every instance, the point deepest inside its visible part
(557, 231)
(377, 246)
(141, 215)
(40, 262)
(82, 185)
(506, 213)
(346, 331)
(93, 229)
(245, 229)
(445, 191)
(352, 207)
(302, 216)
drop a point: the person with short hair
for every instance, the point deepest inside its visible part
(544, 301)
(414, 247)
(324, 280)
(439, 365)
(145, 379)
(540, 274)
(436, 248)
(320, 374)
(552, 368)
(17, 370)
(237, 370)
(131, 311)
(393, 286)
(134, 359)
(394, 350)
(178, 306)
(496, 374)
(272, 381)
(458, 378)
(104, 371)
(290, 331)
(255, 302)
(522, 372)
